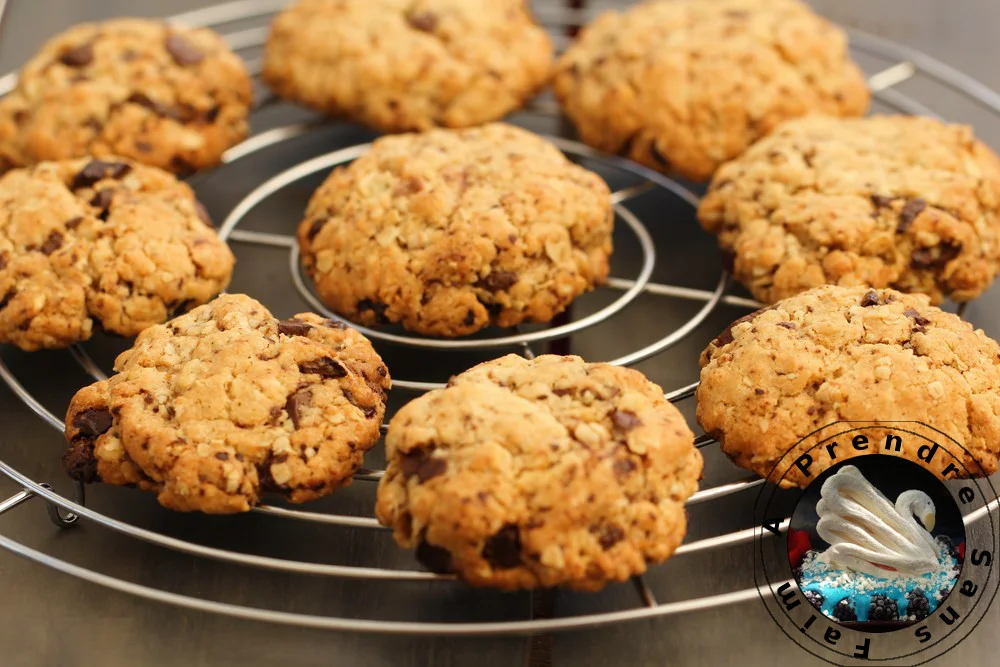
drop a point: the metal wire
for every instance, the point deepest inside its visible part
(904, 63)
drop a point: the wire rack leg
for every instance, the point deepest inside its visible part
(16, 500)
(59, 517)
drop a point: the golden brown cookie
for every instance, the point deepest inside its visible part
(890, 201)
(101, 240)
(449, 231)
(682, 86)
(550, 472)
(226, 402)
(399, 65)
(163, 95)
(850, 354)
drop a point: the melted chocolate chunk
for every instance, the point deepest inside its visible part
(293, 327)
(324, 366)
(375, 307)
(503, 550)
(102, 201)
(787, 325)
(7, 298)
(424, 21)
(625, 420)
(882, 201)
(499, 280)
(924, 258)
(870, 299)
(222, 456)
(97, 170)
(916, 317)
(73, 223)
(610, 535)
(623, 467)
(434, 558)
(315, 227)
(726, 337)
(92, 422)
(52, 243)
(78, 56)
(334, 324)
(910, 211)
(295, 403)
(470, 318)
(182, 51)
(159, 108)
(419, 462)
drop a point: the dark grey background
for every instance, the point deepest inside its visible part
(48, 619)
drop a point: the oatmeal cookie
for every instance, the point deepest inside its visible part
(449, 231)
(889, 201)
(399, 65)
(848, 354)
(550, 472)
(106, 240)
(226, 402)
(164, 95)
(684, 85)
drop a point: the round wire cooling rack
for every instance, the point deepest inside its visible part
(896, 65)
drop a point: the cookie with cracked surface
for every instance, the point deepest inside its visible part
(888, 201)
(110, 241)
(848, 354)
(160, 94)
(450, 231)
(399, 65)
(685, 85)
(226, 402)
(550, 472)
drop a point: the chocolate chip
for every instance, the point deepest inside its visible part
(916, 317)
(79, 461)
(470, 318)
(726, 337)
(369, 410)
(78, 56)
(924, 258)
(92, 422)
(434, 558)
(294, 327)
(503, 550)
(910, 211)
(869, 299)
(182, 51)
(203, 214)
(212, 113)
(378, 309)
(625, 420)
(425, 21)
(52, 243)
(295, 403)
(758, 391)
(97, 170)
(324, 366)
(222, 456)
(102, 201)
(314, 228)
(787, 325)
(499, 280)
(558, 391)
(623, 467)
(334, 324)
(73, 223)
(419, 462)
(610, 535)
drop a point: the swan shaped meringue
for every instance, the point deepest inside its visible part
(869, 534)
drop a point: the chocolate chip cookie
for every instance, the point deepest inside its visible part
(399, 65)
(163, 95)
(109, 241)
(848, 354)
(550, 472)
(683, 86)
(889, 201)
(449, 231)
(219, 405)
